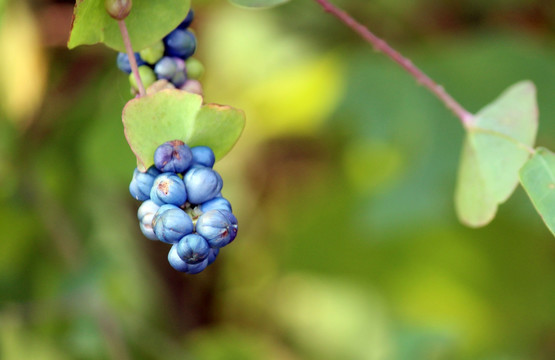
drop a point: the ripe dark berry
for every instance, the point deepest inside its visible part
(123, 62)
(180, 43)
(188, 20)
(173, 156)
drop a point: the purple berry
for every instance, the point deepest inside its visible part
(173, 156)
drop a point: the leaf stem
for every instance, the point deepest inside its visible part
(131, 55)
(380, 45)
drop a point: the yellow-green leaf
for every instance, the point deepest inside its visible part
(174, 114)
(537, 177)
(497, 144)
(148, 22)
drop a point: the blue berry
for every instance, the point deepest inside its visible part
(165, 68)
(147, 208)
(142, 183)
(212, 255)
(218, 227)
(175, 261)
(203, 155)
(168, 188)
(180, 43)
(178, 264)
(188, 20)
(193, 249)
(173, 156)
(172, 225)
(179, 79)
(217, 203)
(145, 214)
(123, 62)
(197, 268)
(164, 208)
(202, 184)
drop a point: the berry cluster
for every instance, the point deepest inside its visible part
(183, 206)
(169, 59)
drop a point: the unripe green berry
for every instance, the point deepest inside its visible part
(195, 69)
(118, 9)
(147, 77)
(153, 53)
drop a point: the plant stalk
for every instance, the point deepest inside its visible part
(465, 117)
(131, 55)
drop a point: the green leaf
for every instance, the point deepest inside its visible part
(497, 144)
(537, 177)
(148, 22)
(179, 115)
(258, 3)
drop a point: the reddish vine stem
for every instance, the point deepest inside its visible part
(380, 45)
(131, 55)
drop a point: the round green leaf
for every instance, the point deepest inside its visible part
(496, 146)
(148, 22)
(258, 3)
(537, 177)
(179, 115)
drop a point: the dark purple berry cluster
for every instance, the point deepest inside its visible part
(168, 59)
(183, 205)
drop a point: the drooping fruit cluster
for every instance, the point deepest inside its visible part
(183, 205)
(169, 59)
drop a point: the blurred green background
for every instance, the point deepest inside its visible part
(343, 185)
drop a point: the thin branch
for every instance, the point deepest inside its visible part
(380, 45)
(131, 55)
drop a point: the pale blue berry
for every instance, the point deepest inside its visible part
(218, 227)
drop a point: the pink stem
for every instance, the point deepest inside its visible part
(380, 45)
(131, 55)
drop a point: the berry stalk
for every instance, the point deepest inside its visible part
(382, 46)
(131, 55)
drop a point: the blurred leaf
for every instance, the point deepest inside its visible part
(230, 343)
(351, 322)
(258, 3)
(278, 78)
(18, 342)
(362, 158)
(148, 22)
(296, 98)
(493, 152)
(537, 177)
(22, 64)
(177, 115)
